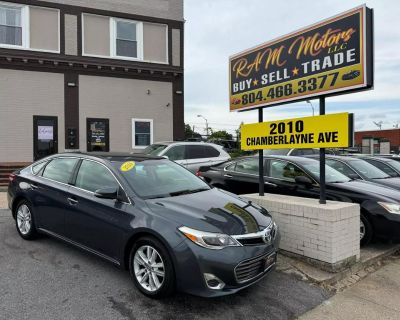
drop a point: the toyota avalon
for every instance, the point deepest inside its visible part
(149, 215)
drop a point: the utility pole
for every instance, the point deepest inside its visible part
(200, 116)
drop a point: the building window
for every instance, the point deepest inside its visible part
(142, 133)
(11, 25)
(126, 39)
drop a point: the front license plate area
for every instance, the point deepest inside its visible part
(269, 261)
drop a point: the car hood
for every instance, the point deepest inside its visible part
(380, 191)
(213, 210)
(390, 182)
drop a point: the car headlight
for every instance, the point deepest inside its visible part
(390, 207)
(209, 240)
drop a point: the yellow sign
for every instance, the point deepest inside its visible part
(126, 166)
(327, 131)
(330, 57)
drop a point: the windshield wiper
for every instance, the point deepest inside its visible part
(187, 191)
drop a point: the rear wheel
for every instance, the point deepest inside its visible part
(24, 220)
(366, 232)
(151, 268)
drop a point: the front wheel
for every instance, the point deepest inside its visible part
(25, 222)
(366, 232)
(151, 268)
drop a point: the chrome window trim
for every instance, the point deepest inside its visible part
(87, 191)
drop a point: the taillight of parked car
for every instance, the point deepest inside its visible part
(11, 177)
(198, 173)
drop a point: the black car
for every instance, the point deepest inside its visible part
(149, 215)
(299, 176)
(359, 169)
(388, 165)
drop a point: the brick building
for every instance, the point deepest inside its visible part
(389, 135)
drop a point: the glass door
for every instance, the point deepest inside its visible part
(45, 136)
(98, 134)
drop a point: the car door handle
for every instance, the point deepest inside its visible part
(228, 176)
(72, 201)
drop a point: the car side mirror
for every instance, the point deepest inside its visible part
(353, 176)
(303, 180)
(166, 157)
(107, 193)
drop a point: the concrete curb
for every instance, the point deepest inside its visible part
(5, 212)
(369, 262)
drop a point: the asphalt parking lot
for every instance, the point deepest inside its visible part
(47, 279)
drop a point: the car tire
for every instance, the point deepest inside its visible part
(366, 231)
(25, 221)
(151, 268)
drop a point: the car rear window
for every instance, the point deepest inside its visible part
(199, 152)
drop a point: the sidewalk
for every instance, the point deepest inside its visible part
(375, 297)
(3, 200)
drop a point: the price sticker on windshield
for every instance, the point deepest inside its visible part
(326, 131)
(127, 166)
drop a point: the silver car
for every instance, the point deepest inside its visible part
(191, 155)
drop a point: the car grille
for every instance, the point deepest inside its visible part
(250, 269)
(259, 238)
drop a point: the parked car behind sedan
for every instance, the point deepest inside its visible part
(299, 176)
(359, 169)
(149, 215)
(388, 165)
(191, 155)
(298, 152)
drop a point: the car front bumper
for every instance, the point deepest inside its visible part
(193, 262)
(386, 225)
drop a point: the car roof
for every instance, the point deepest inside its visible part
(341, 158)
(300, 160)
(381, 159)
(110, 156)
(201, 143)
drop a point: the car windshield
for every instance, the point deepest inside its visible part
(153, 178)
(368, 170)
(276, 152)
(331, 175)
(154, 149)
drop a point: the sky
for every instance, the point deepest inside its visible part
(216, 29)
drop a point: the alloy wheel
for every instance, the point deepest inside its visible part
(149, 268)
(362, 230)
(24, 219)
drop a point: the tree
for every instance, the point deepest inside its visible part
(189, 133)
(220, 134)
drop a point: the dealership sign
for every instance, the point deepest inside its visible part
(327, 131)
(330, 57)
